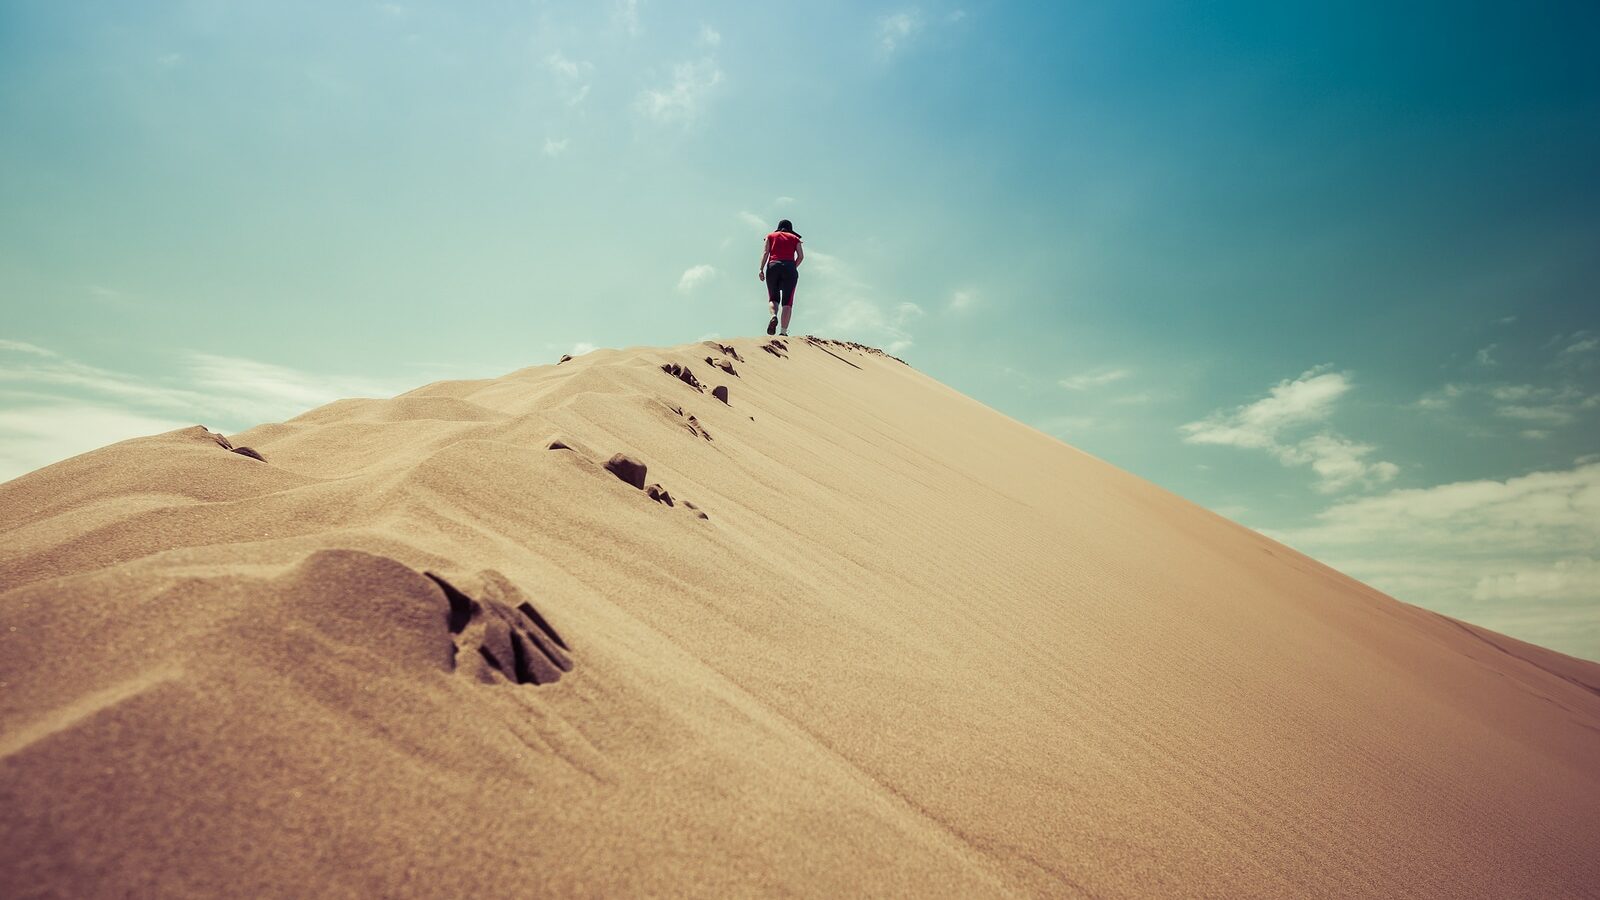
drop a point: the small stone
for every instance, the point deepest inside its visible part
(628, 469)
(720, 392)
(564, 358)
(658, 493)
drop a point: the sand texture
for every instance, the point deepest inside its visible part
(775, 617)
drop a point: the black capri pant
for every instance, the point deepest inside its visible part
(782, 276)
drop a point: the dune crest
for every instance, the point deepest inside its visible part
(772, 615)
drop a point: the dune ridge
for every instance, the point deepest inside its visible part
(849, 631)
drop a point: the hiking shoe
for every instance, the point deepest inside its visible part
(773, 325)
(783, 334)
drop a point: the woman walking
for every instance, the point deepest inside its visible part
(780, 269)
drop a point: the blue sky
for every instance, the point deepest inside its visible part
(1332, 273)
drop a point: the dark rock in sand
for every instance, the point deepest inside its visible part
(628, 469)
(248, 451)
(558, 444)
(564, 358)
(658, 493)
(720, 392)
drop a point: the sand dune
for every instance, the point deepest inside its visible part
(851, 632)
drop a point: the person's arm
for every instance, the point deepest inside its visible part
(799, 254)
(766, 251)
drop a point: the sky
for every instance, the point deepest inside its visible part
(1332, 272)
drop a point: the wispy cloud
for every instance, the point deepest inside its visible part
(849, 306)
(554, 148)
(963, 300)
(710, 37)
(694, 276)
(755, 222)
(34, 435)
(1547, 406)
(625, 17)
(572, 77)
(897, 29)
(683, 98)
(1276, 423)
(1088, 380)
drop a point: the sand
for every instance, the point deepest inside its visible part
(898, 645)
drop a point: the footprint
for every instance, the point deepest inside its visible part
(506, 631)
(726, 350)
(776, 348)
(633, 471)
(683, 374)
(226, 444)
(696, 428)
(692, 424)
(628, 469)
(724, 365)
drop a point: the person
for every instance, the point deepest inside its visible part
(780, 269)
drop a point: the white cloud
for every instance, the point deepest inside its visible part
(582, 347)
(681, 100)
(554, 148)
(750, 219)
(709, 37)
(24, 347)
(1518, 555)
(1087, 380)
(1309, 398)
(571, 75)
(1339, 463)
(694, 276)
(1290, 406)
(963, 300)
(895, 30)
(1582, 342)
(625, 16)
(1485, 356)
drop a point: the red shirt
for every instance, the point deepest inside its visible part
(781, 245)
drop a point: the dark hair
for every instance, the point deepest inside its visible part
(786, 225)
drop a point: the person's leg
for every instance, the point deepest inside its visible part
(773, 296)
(793, 281)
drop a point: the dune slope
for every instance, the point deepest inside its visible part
(899, 644)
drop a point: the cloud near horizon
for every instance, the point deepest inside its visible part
(1524, 552)
(56, 407)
